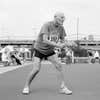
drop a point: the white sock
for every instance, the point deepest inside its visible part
(62, 84)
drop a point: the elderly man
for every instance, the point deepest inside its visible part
(50, 34)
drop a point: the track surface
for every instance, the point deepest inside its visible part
(82, 79)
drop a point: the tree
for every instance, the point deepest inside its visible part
(78, 50)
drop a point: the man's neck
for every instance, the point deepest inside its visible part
(56, 24)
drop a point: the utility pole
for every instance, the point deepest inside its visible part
(34, 32)
(77, 27)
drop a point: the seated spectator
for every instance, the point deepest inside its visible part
(96, 56)
(14, 58)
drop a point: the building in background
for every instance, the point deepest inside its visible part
(86, 44)
(93, 45)
(90, 37)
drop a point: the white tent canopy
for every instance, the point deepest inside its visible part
(7, 48)
(24, 50)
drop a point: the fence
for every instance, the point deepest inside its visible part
(80, 59)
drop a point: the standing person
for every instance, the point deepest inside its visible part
(69, 56)
(50, 33)
(5, 57)
(90, 55)
(32, 51)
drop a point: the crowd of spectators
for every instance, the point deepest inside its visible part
(12, 56)
(15, 56)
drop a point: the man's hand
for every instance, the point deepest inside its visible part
(71, 43)
(67, 44)
(61, 45)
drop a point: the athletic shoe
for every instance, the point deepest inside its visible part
(26, 90)
(66, 91)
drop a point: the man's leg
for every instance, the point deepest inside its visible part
(54, 60)
(32, 74)
(90, 59)
(18, 61)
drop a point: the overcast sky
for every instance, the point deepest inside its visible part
(21, 19)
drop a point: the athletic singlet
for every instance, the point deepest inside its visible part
(53, 32)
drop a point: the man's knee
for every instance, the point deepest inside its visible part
(36, 68)
(35, 71)
(36, 63)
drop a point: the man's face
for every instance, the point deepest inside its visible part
(60, 19)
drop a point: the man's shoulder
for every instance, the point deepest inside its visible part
(49, 23)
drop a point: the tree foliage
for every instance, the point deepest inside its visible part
(79, 51)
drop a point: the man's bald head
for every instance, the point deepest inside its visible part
(59, 18)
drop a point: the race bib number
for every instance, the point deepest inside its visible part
(54, 36)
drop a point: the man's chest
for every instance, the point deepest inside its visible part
(55, 33)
